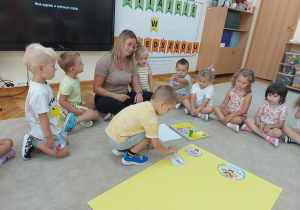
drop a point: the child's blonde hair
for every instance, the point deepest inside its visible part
(207, 73)
(116, 50)
(165, 93)
(248, 73)
(36, 54)
(67, 60)
(297, 103)
(140, 49)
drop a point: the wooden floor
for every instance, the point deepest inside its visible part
(13, 105)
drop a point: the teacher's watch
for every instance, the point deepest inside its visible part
(141, 92)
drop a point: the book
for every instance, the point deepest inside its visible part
(183, 129)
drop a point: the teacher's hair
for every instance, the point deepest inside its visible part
(116, 50)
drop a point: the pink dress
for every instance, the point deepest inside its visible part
(272, 116)
(236, 103)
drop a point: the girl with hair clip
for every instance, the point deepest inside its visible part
(113, 73)
(293, 133)
(200, 103)
(233, 110)
(143, 67)
(271, 115)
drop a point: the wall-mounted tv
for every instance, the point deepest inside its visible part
(76, 25)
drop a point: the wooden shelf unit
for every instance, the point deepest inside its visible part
(288, 47)
(224, 59)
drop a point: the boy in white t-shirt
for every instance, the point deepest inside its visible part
(41, 107)
(69, 94)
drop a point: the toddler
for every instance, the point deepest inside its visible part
(181, 81)
(200, 104)
(137, 125)
(271, 115)
(143, 67)
(41, 107)
(6, 151)
(233, 110)
(293, 133)
(69, 93)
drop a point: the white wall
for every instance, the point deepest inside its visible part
(12, 67)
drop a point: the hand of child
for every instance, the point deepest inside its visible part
(228, 118)
(174, 78)
(79, 112)
(171, 150)
(49, 141)
(150, 146)
(266, 128)
(122, 97)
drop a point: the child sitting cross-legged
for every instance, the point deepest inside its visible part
(137, 125)
(69, 94)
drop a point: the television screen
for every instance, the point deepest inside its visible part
(83, 25)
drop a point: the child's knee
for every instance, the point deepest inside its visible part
(278, 133)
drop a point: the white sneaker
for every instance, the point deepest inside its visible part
(86, 124)
(108, 116)
(213, 116)
(178, 105)
(203, 116)
(234, 127)
(186, 111)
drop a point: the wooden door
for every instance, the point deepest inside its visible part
(273, 28)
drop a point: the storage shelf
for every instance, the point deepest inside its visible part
(239, 30)
(293, 88)
(286, 64)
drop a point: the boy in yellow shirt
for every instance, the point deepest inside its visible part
(137, 125)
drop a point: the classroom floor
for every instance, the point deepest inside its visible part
(14, 106)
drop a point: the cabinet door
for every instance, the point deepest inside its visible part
(229, 60)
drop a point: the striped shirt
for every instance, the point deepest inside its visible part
(143, 73)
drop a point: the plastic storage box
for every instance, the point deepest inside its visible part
(285, 79)
(296, 82)
(297, 71)
(288, 70)
(292, 58)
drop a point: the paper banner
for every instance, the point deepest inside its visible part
(150, 5)
(186, 7)
(183, 47)
(155, 45)
(147, 43)
(189, 48)
(177, 47)
(170, 46)
(195, 48)
(154, 24)
(163, 46)
(169, 7)
(178, 7)
(127, 2)
(160, 6)
(141, 40)
(193, 10)
(139, 4)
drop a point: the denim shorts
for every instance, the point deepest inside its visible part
(58, 145)
(130, 142)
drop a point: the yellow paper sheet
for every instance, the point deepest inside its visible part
(196, 185)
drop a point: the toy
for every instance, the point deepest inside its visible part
(224, 3)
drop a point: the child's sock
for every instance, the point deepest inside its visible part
(234, 127)
(130, 154)
(34, 142)
(11, 153)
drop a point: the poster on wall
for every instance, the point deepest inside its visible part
(167, 27)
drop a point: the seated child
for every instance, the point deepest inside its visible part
(293, 133)
(6, 151)
(41, 107)
(69, 93)
(233, 110)
(271, 115)
(200, 104)
(143, 67)
(181, 81)
(137, 125)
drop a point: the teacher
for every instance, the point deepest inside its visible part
(113, 73)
